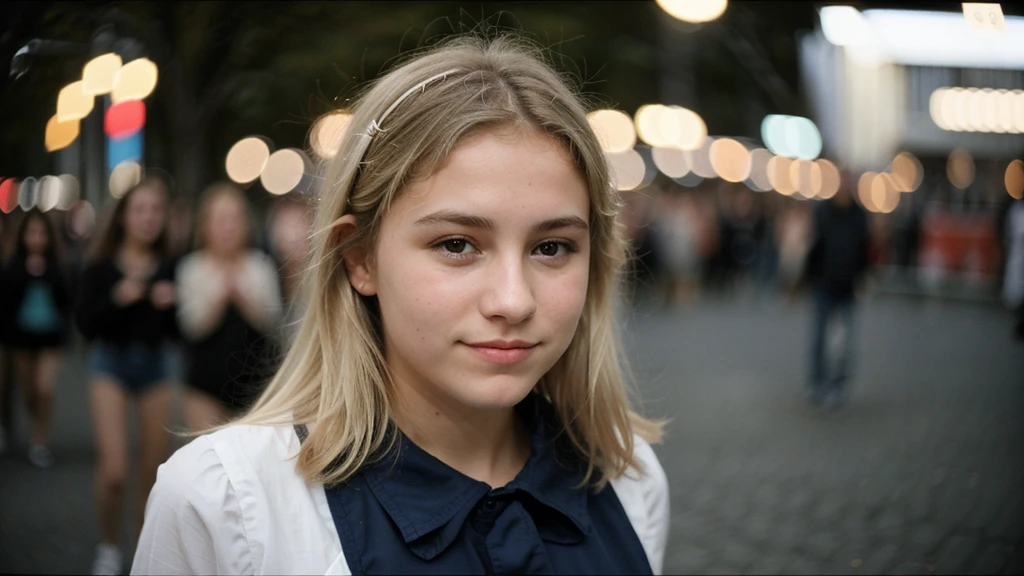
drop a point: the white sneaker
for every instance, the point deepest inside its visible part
(108, 560)
(40, 456)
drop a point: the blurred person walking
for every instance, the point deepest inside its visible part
(836, 264)
(229, 307)
(34, 292)
(1013, 275)
(6, 378)
(290, 224)
(127, 308)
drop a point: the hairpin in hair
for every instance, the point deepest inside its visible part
(375, 124)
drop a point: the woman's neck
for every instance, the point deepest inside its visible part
(486, 445)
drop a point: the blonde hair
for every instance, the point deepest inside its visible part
(335, 373)
(206, 199)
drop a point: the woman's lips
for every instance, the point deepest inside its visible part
(505, 354)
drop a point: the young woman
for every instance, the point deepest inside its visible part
(229, 304)
(289, 224)
(127, 308)
(453, 402)
(35, 294)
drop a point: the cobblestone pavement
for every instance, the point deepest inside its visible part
(920, 474)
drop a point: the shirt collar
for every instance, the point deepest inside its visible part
(429, 501)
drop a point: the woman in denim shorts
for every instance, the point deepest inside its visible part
(127, 309)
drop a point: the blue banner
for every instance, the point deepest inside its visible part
(118, 151)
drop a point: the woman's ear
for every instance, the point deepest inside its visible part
(358, 263)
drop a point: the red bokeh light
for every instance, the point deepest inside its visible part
(8, 195)
(125, 119)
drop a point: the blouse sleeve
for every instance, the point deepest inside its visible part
(265, 287)
(193, 522)
(195, 297)
(656, 501)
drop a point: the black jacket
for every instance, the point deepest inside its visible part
(98, 318)
(838, 257)
(14, 282)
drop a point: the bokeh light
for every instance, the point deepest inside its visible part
(695, 11)
(759, 158)
(805, 176)
(671, 161)
(700, 160)
(730, 160)
(907, 172)
(830, 178)
(844, 26)
(124, 119)
(72, 103)
(60, 134)
(614, 130)
(627, 170)
(791, 136)
(328, 132)
(283, 171)
(960, 168)
(960, 109)
(70, 192)
(28, 193)
(884, 195)
(246, 159)
(1014, 179)
(123, 177)
(134, 81)
(8, 195)
(670, 127)
(779, 175)
(99, 74)
(49, 193)
(864, 185)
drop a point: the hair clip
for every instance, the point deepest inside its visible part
(374, 126)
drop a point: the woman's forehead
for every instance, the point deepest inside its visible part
(503, 172)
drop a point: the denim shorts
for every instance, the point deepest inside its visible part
(136, 367)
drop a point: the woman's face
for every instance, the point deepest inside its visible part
(144, 215)
(226, 228)
(290, 233)
(481, 271)
(36, 238)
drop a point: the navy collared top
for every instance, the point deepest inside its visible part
(411, 513)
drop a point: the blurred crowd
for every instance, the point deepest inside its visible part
(721, 240)
(158, 291)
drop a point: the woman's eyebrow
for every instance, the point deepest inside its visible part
(470, 221)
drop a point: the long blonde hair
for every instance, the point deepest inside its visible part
(335, 373)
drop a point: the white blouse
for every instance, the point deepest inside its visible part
(197, 278)
(231, 502)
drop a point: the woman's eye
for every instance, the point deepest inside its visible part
(455, 246)
(552, 248)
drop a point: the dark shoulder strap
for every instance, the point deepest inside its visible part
(302, 432)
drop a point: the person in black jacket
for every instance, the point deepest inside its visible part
(37, 317)
(837, 262)
(127, 309)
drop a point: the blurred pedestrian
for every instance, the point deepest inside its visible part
(6, 378)
(229, 306)
(1013, 275)
(127, 309)
(453, 402)
(38, 309)
(289, 225)
(837, 262)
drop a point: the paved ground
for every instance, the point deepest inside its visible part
(922, 473)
